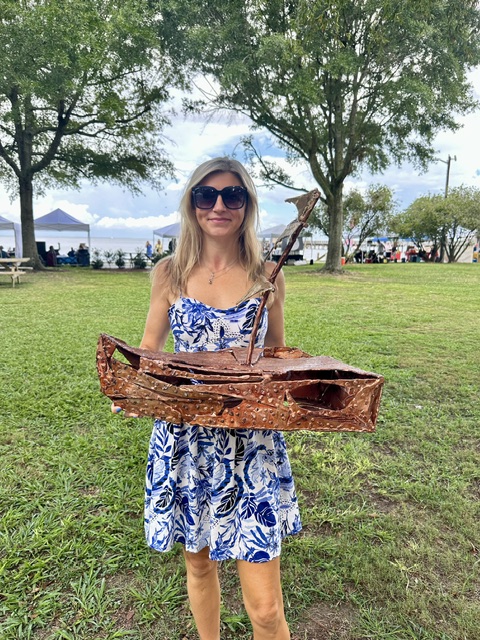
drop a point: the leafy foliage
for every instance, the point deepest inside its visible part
(450, 222)
(120, 255)
(81, 95)
(109, 257)
(341, 84)
(139, 259)
(365, 215)
(97, 262)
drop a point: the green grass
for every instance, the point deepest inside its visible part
(390, 546)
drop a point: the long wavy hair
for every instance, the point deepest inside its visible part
(189, 246)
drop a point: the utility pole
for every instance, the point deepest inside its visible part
(448, 163)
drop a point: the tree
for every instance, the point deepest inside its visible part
(421, 222)
(365, 215)
(80, 98)
(452, 221)
(340, 84)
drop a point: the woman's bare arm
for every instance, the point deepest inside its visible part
(157, 325)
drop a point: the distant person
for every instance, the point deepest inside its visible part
(83, 255)
(3, 254)
(411, 254)
(71, 257)
(358, 256)
(422, 255)
(148, 249)
(158, 247)
(51, 257)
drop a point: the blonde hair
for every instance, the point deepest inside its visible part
(189, 246)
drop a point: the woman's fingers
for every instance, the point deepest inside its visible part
(116, 409)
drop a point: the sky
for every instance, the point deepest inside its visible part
(113, 212)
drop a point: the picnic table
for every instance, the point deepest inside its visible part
(12, 267)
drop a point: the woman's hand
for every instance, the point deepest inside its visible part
(116, 409)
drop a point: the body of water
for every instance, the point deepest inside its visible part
(66, 242)
(129, 245)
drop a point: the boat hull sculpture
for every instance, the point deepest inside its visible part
(282, 389)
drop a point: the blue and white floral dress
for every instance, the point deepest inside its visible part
(230, 490)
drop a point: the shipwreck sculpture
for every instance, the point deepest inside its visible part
(280, 388)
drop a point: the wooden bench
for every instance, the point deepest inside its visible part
(14, 275)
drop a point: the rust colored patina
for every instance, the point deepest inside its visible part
(279, 388)
(282, 389)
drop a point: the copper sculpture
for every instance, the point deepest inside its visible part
(280, 388)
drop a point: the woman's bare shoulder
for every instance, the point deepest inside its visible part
(163, 265)
(162, 280)
(269, 266)
(279, 284)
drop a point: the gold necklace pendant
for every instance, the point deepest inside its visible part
(221, 272)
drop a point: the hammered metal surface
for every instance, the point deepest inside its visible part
(283, 389)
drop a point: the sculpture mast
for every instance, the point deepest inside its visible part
(305, 205)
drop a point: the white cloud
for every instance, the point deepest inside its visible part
(9, 210)
(150, 222)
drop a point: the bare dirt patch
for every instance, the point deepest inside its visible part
(323, 621)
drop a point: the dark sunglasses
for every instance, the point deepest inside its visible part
(206, 197)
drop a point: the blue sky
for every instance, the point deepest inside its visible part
(116, 213)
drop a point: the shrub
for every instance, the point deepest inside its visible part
(139, 260)
(120, 258)
(109, 257)
(159, 256)
(97, 262)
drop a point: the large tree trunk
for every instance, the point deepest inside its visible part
(333, 262)
(443, 244)
(28, 228)
(335, 229)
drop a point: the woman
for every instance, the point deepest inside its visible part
(221, 493)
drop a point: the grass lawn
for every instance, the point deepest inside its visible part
(390, 546)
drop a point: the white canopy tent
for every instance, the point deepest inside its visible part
(271, 236)
(59, 220)
(7, 225)
(273, 232)
(170, 231)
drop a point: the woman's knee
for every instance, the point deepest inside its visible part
(199, 564)
(267, 614)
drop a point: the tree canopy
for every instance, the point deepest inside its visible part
(365, 215)
(452, 222)
(81, 90)
(341, 85)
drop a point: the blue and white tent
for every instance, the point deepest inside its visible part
(59, 220)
